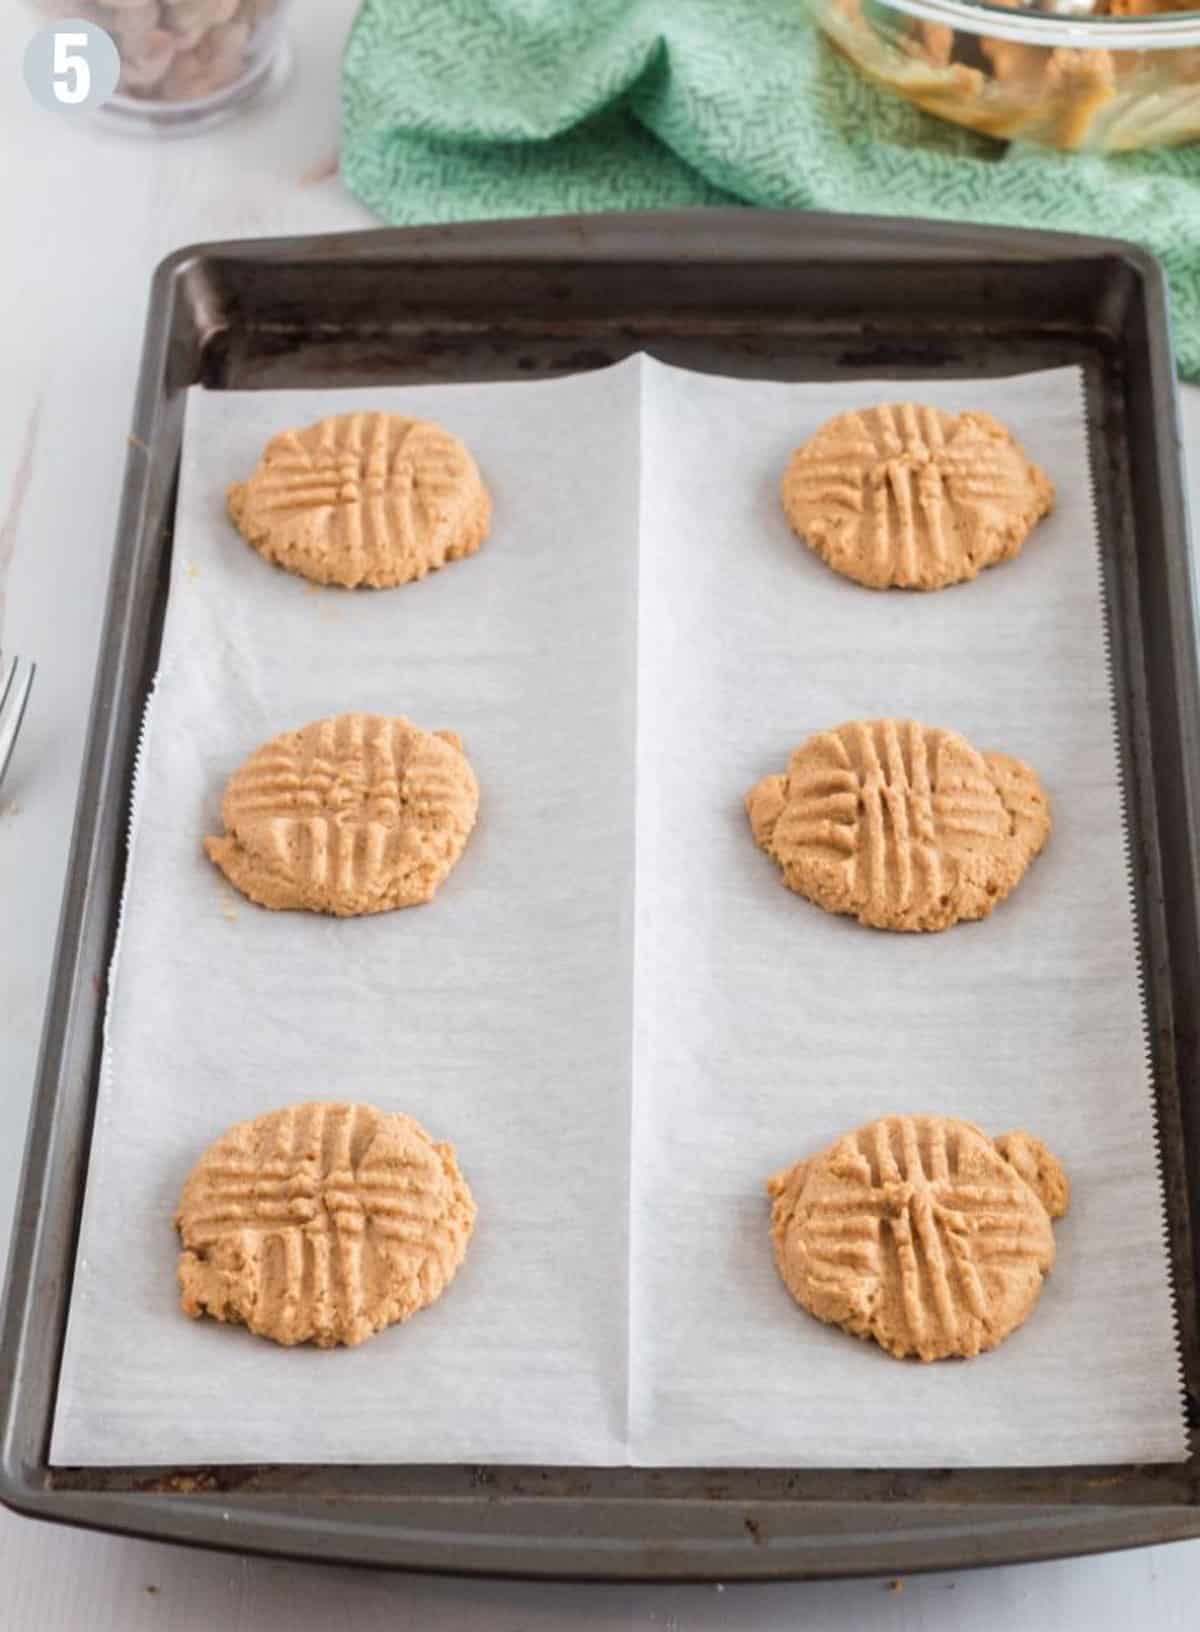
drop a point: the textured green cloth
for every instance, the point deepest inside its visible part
(460, 109)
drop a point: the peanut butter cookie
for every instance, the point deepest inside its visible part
(362, 498)
(358, 814)
(900, 825)
(322, 1223)
(902, 496)
(920, 1232)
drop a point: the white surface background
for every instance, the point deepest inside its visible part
(86, 219)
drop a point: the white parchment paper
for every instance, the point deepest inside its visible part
(613, 1008)
(765, 1027)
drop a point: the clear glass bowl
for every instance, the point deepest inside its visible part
(185, 64)
(1065, 78)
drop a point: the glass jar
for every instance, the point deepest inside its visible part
(185, 64)
(1114, 76)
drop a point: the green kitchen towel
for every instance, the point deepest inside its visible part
(470, 109)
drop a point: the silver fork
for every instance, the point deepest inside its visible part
(16, 682)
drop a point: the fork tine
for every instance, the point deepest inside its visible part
(10, 674)
(11, 717)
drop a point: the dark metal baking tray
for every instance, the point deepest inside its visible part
(740, 292)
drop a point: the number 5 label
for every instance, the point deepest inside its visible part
(71, 65)
(72, 75)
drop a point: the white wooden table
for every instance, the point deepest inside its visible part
(87, 217)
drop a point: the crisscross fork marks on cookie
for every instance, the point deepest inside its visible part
(322, 1221)
(364, 498)
(903, 495)
(356, 814)
(902, 826)
(917, 1232)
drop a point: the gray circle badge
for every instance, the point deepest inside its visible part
(71, 65)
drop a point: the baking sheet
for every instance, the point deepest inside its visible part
(613, 1008)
